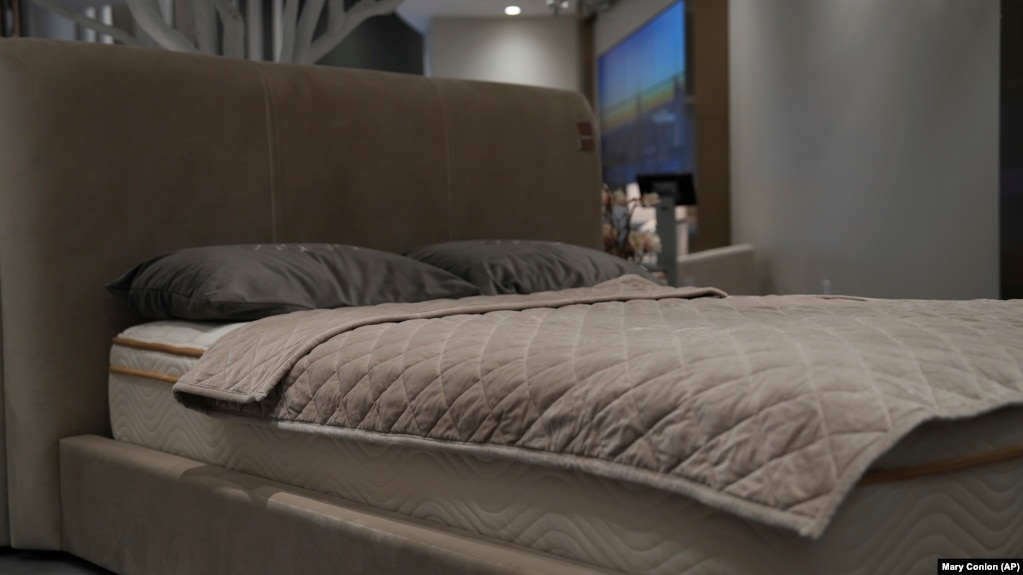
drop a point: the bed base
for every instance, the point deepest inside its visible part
(134, 510)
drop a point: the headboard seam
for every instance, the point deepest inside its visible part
(273, 151)
(447, 152)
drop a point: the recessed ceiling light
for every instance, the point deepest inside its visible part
(513, 10)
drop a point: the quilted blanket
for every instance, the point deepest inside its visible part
(767, 407)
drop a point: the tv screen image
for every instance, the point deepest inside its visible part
(645, 121)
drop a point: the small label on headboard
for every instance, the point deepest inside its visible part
(587, 142)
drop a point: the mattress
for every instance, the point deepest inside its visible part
(884, 527)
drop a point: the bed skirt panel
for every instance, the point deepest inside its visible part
(137, 511)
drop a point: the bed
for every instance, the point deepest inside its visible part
(111, 156)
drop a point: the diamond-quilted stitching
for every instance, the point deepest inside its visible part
(395, 415)
(850, 409)
(590, 360)
(445, 427)
(746, 452)
(788, 494)
(301, 400)
(429, 416)
(424, 376)
(471, 413)
(327, 398)
(361, 400)
(677, 437)
(787, 427)
(502, 361)
(320, 387)
(737, 393)
(558, 365)
(420, 360)
(849, 447)
(614, 432)
(513, 415)
(458, 377)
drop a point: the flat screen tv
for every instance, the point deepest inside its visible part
(645, 121)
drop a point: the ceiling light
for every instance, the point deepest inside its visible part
(513, 10)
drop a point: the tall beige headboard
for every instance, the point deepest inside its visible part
(109, 155)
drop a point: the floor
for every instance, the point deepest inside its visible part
(13, 562)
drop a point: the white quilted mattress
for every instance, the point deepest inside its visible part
(896, 527)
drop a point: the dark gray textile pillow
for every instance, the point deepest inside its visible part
(525, 266)
(246, 282)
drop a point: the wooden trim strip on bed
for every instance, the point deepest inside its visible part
(143, 373)
(939, 467)
(162, 347)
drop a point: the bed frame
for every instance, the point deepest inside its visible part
(110, 155)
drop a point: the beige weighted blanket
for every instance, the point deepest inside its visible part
(767, 407)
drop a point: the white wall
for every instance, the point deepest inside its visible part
(533, 51)
(865, 144)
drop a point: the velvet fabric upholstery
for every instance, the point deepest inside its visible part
(111, 155)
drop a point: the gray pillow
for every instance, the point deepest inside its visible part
(525, 266)
(246, 282)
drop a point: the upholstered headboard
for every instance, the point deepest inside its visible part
(109, 155)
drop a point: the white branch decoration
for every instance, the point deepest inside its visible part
(91, 23)
(289, 21)
(234, 28)
(306, 28)
(147, 14)
(356, 15)
(219, 28)
(204, 25)
(336, 11)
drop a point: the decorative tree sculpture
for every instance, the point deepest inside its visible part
(219, 27)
